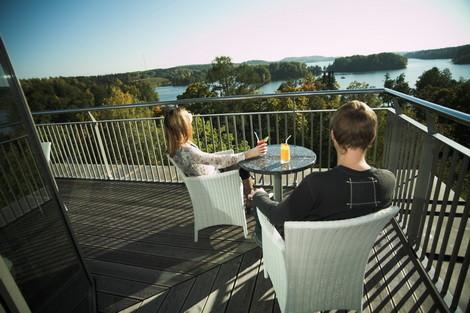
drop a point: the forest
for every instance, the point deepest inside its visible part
(459, 55)
(222, 77)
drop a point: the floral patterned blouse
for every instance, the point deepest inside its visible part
(195, 162)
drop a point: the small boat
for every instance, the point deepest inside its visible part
(342, 77)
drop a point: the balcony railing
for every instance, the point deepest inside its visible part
(432, 170)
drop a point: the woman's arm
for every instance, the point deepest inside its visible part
(224, 160)
(216, 160)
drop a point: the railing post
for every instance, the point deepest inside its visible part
(101, 146)
(395, 140)
(423, 182)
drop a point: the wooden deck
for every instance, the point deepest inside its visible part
(137, 241)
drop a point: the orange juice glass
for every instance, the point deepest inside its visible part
(285, 153)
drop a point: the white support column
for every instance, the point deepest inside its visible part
(101, 146)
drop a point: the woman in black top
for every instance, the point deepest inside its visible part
(353, 188)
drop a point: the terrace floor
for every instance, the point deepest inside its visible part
(137, 242)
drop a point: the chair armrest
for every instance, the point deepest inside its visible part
(276, 238)
(215, 177)
(178, 169)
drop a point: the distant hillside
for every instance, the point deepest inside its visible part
(459, 54)
(256, 62)
(372, 62)
(307, 59)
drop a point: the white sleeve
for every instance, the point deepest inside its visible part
(216, 160)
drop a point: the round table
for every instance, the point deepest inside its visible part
(300, 158)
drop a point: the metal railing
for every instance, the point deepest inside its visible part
(432, 170)
(134, 149)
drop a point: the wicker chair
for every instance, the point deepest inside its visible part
(46, 149)
(320, 265)
(216, 199)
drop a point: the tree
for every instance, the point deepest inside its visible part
(197, 90)
(435, 78)
(371, 100)
(117, 96)
(222, 75)
(398, 84)
(252, 77)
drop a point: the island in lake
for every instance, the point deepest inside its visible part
(366, 63)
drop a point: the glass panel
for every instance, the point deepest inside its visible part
(35, 240)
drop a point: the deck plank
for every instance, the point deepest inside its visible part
(152, 304)
(242, 293)
(137, 243)
(263, 296)
(109, 303)
(174, 240)
(222, 289)
(378, 296)
(126, 288)
(200, 290)
(138, 274)
(196, 255)
(184, 266)
(176, 296)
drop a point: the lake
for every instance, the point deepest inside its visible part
(415, 68)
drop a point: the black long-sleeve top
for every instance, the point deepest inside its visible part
(339, 193)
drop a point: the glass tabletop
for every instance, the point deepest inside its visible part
(301, 158)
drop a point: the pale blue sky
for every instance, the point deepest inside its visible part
(51, 38)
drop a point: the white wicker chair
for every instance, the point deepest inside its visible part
(46, 149)
(216, 199)
(320, 265)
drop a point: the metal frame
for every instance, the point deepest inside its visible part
(43, 168)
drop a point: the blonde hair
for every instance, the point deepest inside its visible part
(354, 125)
(178, 128)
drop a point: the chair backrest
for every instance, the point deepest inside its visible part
(178, 169)
(325, 262)
(223, 191)
(46, 149)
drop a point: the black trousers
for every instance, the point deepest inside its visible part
(243, 173)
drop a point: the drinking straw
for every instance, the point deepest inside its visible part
(288, 138)
(257, 138)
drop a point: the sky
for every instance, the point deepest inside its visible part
(90, 37)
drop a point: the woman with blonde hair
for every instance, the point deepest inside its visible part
(194, 162)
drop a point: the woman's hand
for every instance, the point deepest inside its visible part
(257, 151)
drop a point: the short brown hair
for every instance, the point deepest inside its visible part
(178, 128)
(354, 125)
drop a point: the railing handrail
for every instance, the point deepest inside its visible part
(152, 118)
(455, 115)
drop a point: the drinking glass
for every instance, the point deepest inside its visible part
(262, 140)
(285, 153)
